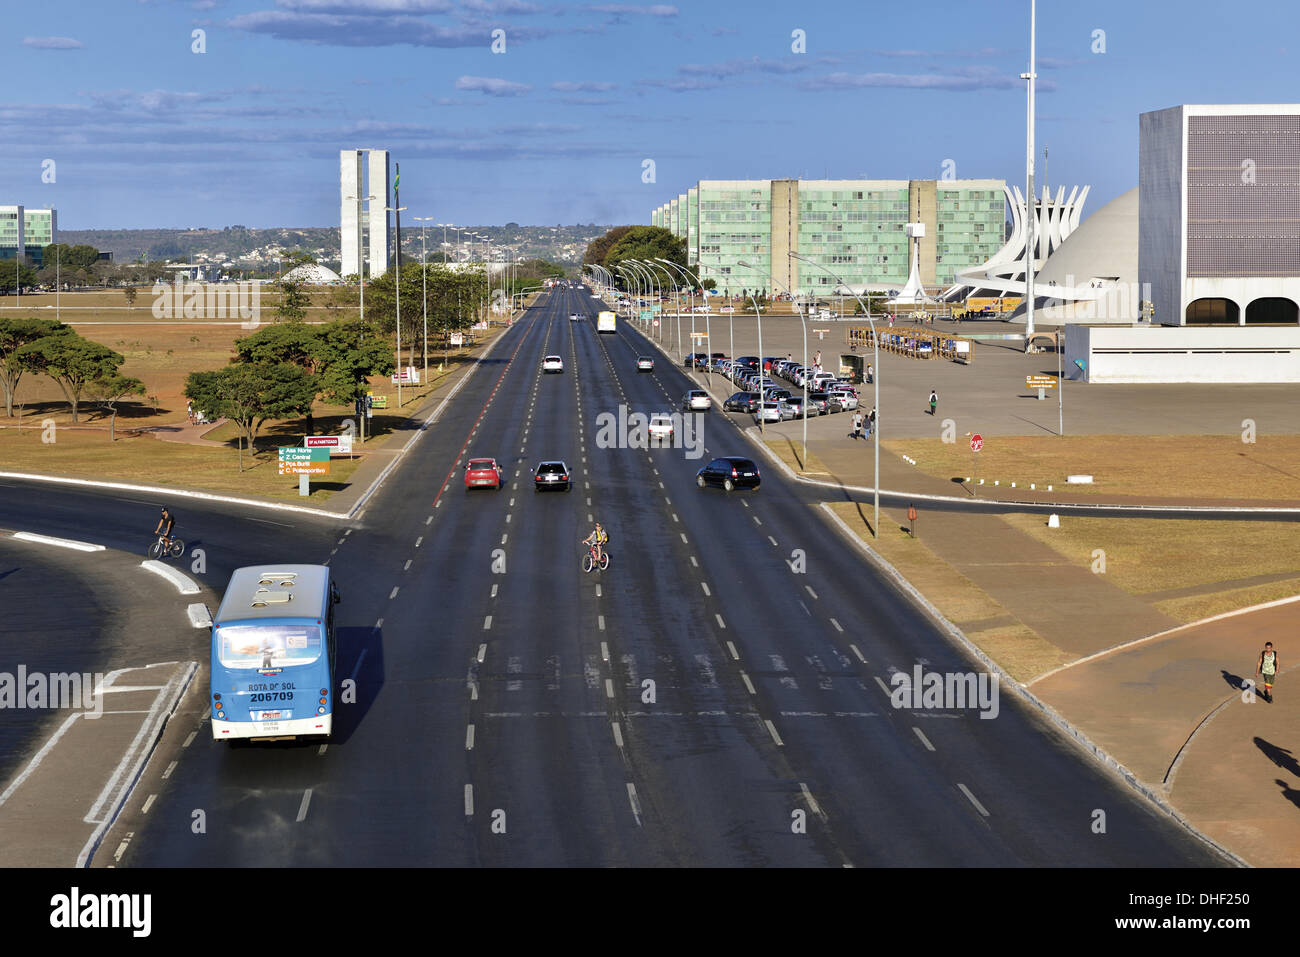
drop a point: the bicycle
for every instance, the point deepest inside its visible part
(169, 547)
(589, 560)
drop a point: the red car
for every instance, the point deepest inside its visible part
(483, 473)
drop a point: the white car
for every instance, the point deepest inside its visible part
(661, 426)
(574, 317)
(644, 364)
(770, 412)
(697, 400)
(552, 364)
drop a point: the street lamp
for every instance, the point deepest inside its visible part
(398, 286)
(361, 265)
(759, 316)
(1031, 210)
(691, 287)
(875, 380)
(444, 240)
(424, 273)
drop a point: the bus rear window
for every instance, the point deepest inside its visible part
(268, 646)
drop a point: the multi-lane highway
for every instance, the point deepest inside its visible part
(718, 696)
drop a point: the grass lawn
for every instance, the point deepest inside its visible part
(1221, 566)
(790, 452)
(1013, 645)
(1159, 466)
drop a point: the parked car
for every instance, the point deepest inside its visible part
(820, 401)
(840, 401)
(768, 412)
(483, 473)
(661, 426)
(741, 402)
(697, 400)
(552, 364)
(730, 472)
(695, 360)
(645, 364)
(551, 476)
(796, 406)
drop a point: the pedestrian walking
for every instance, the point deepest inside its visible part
(1266, 670)
(857, 425)
(189, 411)
(871, 374)
(869, 423)
(934, 401)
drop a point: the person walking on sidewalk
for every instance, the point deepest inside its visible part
(1266, 670)
(857, 426)
(871, 374)
(934, 401)
(871, 421)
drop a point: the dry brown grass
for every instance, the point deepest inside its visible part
(1157, 466)
(790, 452)
(1015, 646)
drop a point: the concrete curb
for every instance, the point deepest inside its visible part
(184, 584)
(60, 542)
(972, 650)
(199, 615)
(146, 740)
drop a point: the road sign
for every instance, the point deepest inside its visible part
(379, 401)
(304, 468)
(1040, 382)
(976, 442)
(656, 323)
(647, 315)
(341, 444)
(293, 453)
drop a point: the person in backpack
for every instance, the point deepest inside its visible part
(1266, 670)
(598, 539)
(934, 401)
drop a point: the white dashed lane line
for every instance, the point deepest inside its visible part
(924, 740)
(973, 800)
(302, 808)
(854, 648)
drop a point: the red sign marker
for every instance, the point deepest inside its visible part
(976, 443)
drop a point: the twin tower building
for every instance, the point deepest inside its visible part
(353, 222)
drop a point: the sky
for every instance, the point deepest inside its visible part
(120, 116)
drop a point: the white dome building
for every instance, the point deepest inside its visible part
(312, 274)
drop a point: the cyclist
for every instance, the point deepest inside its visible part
(598, 539)
(165, 525)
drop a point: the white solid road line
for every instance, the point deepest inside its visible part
(60, 542)
(978, 806)
(924, 740)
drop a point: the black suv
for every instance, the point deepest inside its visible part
(731, 472)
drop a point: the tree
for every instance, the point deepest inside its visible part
(599, 247)
(71, 361)
(293, 301)
(14, 334)
(130, 295)
(111, 390)
(250, 393)
(647, 243)
(18, 274)
(346, 359)
(292, 342)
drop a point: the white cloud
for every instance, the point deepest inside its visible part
(492, 86)
(53, 43)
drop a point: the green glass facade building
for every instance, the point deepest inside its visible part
(855, 228)
(28, 229)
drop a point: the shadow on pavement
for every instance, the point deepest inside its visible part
(1283, 758)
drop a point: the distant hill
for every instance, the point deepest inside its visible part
(259, 248)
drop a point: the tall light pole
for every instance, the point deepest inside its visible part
(424, 274)
(444, 240)
(362, 275)
(1031, 212)
(875, 379)
(804, 323)
(397, 285)
(690, 285)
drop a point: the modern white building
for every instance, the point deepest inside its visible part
(353, 190)
(1219, 194)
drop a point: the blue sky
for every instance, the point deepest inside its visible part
(144, 132)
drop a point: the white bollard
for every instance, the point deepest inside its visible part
(1053, 521)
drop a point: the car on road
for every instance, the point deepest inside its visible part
(552, 364)
(661, 426)
(574, 317)
(741, 402)
(552, 476)
(731, 472)
(483, 473)
(645, 364)
(697, 400)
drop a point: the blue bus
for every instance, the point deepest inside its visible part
(273, 654)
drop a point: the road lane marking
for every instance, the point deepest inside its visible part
(469, 800)
(811, 592)
(600, 622)
(604, 651)
(924, 740)
(694, 562)
(618, 734)
(429, 520)
(883, 687)
(771, 728)
(487, 623)
(812, 801)
(683, 534)
(721, 623)
(494, 591)
(419, 541)
(189, 740)
(854, 648)
(148, 804)
(749, 685)
(394, 593)
(735, 655)
(706, 589)
(302, 808)
(168, 773)
(407, 567)
(636, 804)
(609, 687)
(978, 806)
(838, 627)
(757, 520)
(771, 539)
(469, 737)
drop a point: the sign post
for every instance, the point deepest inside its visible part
(304, 462)
(1041, 383)
(976, 443)
(911, 519)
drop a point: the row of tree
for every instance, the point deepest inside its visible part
(645, 244)
(82, 368)
(279, 371)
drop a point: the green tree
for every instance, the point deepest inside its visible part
(599, 247)
(71, 361)
(292, 342)
(293, 301)
(14, 334)
(347, 358)
(130, 295)
(250, 393)
(17, 274)
(647, 243)
(109, 391)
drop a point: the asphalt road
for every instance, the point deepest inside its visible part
(716, 697)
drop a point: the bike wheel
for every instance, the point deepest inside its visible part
(177, 548)
(604, 560)
(586, 563)
(155, 550)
